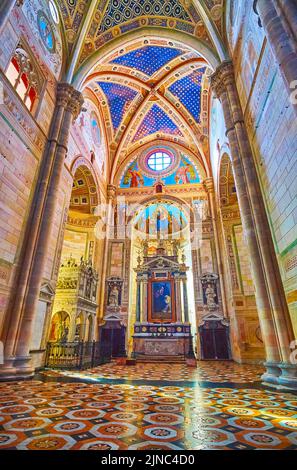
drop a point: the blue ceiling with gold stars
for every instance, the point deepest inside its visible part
(148, 59)
(188, 91)
(156, 120)
(119, 98)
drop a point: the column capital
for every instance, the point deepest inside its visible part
(208, 184)
(223, 76)
(111, 191)
(69, 98)
(75, 103)
(64, 93)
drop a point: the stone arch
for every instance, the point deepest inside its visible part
(185, 39)
(84, 166)
(197, 160)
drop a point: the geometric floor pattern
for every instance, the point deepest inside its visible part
(223, 371)
(123, 411)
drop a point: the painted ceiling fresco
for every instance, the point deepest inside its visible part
(152, 87)
(185, 172)
(148, 59)
(188, 91)
(119, 98)
(153, 91)
(156, 120)
(111, 18)
(118, 12)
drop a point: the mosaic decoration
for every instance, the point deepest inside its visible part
(138, 173)
(121, 11)
(188, 91)
(119, 98)
(148, 59)
(156, 120)
(148, 406)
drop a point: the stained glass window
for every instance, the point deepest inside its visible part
(159, 161)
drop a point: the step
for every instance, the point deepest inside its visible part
(167, 359)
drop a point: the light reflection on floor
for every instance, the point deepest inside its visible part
(119, 409)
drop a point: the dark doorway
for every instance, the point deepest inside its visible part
(214, 339)
(112, 340)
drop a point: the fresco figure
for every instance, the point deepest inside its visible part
(133, 177)
(185, 173)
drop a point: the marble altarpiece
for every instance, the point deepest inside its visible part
(162, 327)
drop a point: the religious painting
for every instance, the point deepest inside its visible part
(185, 173)
(133, 177)
(59, 327)
(161, 301)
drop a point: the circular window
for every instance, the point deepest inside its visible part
(95, 129)
(46, 31)
(159, 161)
(54, 11)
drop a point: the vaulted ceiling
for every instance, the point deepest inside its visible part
(148, 86)
(90, 24)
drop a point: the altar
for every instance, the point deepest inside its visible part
(162, 329)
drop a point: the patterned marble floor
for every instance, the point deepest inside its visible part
(212, 371)
(122, 411)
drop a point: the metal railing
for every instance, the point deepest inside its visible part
(76, 355)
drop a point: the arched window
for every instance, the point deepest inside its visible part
(23, 77)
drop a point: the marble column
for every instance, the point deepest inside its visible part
(288, 8)
(178, 300)
(185, 299)
(209, 187)
(6, 7)
(144, 313)
(279, 20)
(272, 307)
(21, 314)
(109, 225)
(138, 301)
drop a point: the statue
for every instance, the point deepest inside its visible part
(210, 297)
(113, 300)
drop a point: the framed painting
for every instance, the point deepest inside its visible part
(161, 301)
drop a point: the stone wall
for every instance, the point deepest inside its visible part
(272, 129)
